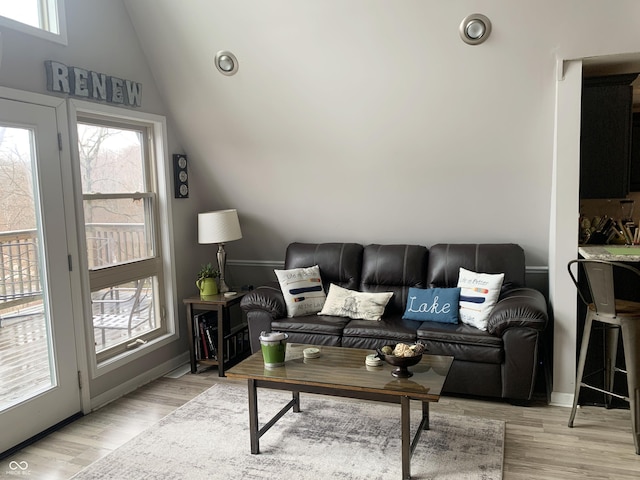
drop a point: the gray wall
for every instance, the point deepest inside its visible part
(366, 121)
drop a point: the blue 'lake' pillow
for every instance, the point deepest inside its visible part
(434, 304)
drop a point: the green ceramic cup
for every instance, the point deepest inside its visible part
(273, 345)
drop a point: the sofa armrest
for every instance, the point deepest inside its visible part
(519, 318)
(262, 305)
(267, 298)
(520, 307)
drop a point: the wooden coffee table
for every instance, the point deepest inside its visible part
(341, 371)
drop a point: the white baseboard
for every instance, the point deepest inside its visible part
(136, 382)
(559, 399)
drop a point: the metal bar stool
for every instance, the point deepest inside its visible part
(618, 316)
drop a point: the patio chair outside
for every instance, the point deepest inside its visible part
(122, 308)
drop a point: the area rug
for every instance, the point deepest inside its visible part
(331, 438)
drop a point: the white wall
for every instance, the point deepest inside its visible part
(564, 229)
(101, 38)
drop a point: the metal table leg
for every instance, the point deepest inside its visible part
(296, 400)
(253, 417)
(409, 445)
(254, 431)
(425, 416)
(405, 426)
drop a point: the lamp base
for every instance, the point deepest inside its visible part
(223, 287)
(222, 263)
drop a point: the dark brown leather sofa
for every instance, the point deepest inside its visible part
(500, 362)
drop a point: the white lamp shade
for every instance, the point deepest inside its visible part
(218, 227)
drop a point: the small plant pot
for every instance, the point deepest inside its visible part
(207, 286)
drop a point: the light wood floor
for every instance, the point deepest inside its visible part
(539, 445)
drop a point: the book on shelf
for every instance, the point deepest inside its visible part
(211, 342)
(235, 342)
(205, 328)
(203, 340)
(197, 345)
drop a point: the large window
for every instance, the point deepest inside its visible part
(43, 18)
(117, 169)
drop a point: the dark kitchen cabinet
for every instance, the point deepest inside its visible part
(605, 136)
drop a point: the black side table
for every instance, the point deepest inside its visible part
(232, 344)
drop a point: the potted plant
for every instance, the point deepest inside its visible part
(206, 281)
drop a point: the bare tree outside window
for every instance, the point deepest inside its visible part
(16, 180)
(110, 159)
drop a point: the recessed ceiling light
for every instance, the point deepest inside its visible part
(226, 62)
(475, 29)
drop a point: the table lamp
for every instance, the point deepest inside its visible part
(219, 227)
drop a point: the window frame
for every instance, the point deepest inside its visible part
(161, 265)
(53, 13)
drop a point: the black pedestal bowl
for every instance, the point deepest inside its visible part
(402, 364)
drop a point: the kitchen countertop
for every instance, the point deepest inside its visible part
(614, 253)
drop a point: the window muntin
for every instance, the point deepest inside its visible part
(122, 242)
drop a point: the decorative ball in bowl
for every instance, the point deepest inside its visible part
(402, 356)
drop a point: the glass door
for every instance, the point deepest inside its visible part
(38, 366)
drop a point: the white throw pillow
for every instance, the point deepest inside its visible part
(342, 302)
(302, 290)
(478, 295)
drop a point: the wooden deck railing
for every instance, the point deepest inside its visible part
(113, 243)
(107, 244)
(19, 272)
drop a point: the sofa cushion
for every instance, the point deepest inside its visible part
(435, 304)
(315, 339)
(340, 263)
(478, 295)
(316, 324)
(445, 260)
(394, 268)
(463, 342)
(390, 329)
(343, 302)
(302, 290)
